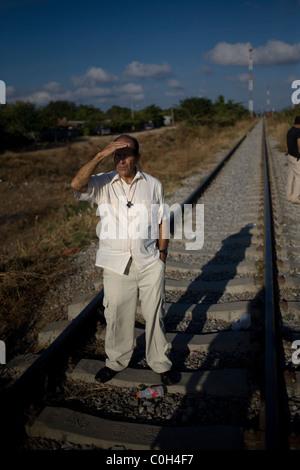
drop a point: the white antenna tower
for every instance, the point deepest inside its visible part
(268, 99)
(251, 81)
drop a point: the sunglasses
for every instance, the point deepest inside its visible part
(120, 156)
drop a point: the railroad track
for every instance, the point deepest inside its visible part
(224, 324)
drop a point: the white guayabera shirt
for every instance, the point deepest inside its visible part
(123, 231)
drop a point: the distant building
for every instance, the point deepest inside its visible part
(167, 120)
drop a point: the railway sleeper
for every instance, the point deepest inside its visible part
(222, 382)
(244, 267)
(63, 424)
(228, 312)
(228, 341)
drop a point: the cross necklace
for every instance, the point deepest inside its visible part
(129, 203)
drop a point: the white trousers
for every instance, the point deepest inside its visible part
(293, 179)
(120, 301)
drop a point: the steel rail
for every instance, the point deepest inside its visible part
(271, 405)
(31, 385)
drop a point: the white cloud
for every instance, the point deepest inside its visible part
(273, 53)
(10, 91)
(206, 70)
(239, 79)
(131, 88)
(98, 86)
(229, 54)
(176, 88)
(51, 91)
(127, 91)
(277, 53)
(140, 70)
(174, 83)
(39, 97)
(93, 76)
(43, 97)
(202, 93)
(174, 93)
(94, 92)
(52, 87)
(131, 91)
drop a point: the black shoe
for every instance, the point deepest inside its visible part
(105, 374)
(170, 377)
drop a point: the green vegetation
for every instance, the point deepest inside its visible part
(22, 124)
(199, 111)
(286, 115)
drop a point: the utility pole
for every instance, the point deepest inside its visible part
(268, 99)
(251, 81)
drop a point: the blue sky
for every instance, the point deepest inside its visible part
(135, 53)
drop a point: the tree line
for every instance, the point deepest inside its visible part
(22, 123)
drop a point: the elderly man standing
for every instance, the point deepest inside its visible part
(293, 156)
(133, 266)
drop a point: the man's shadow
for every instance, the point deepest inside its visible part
(236, 244)
(241, 240)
